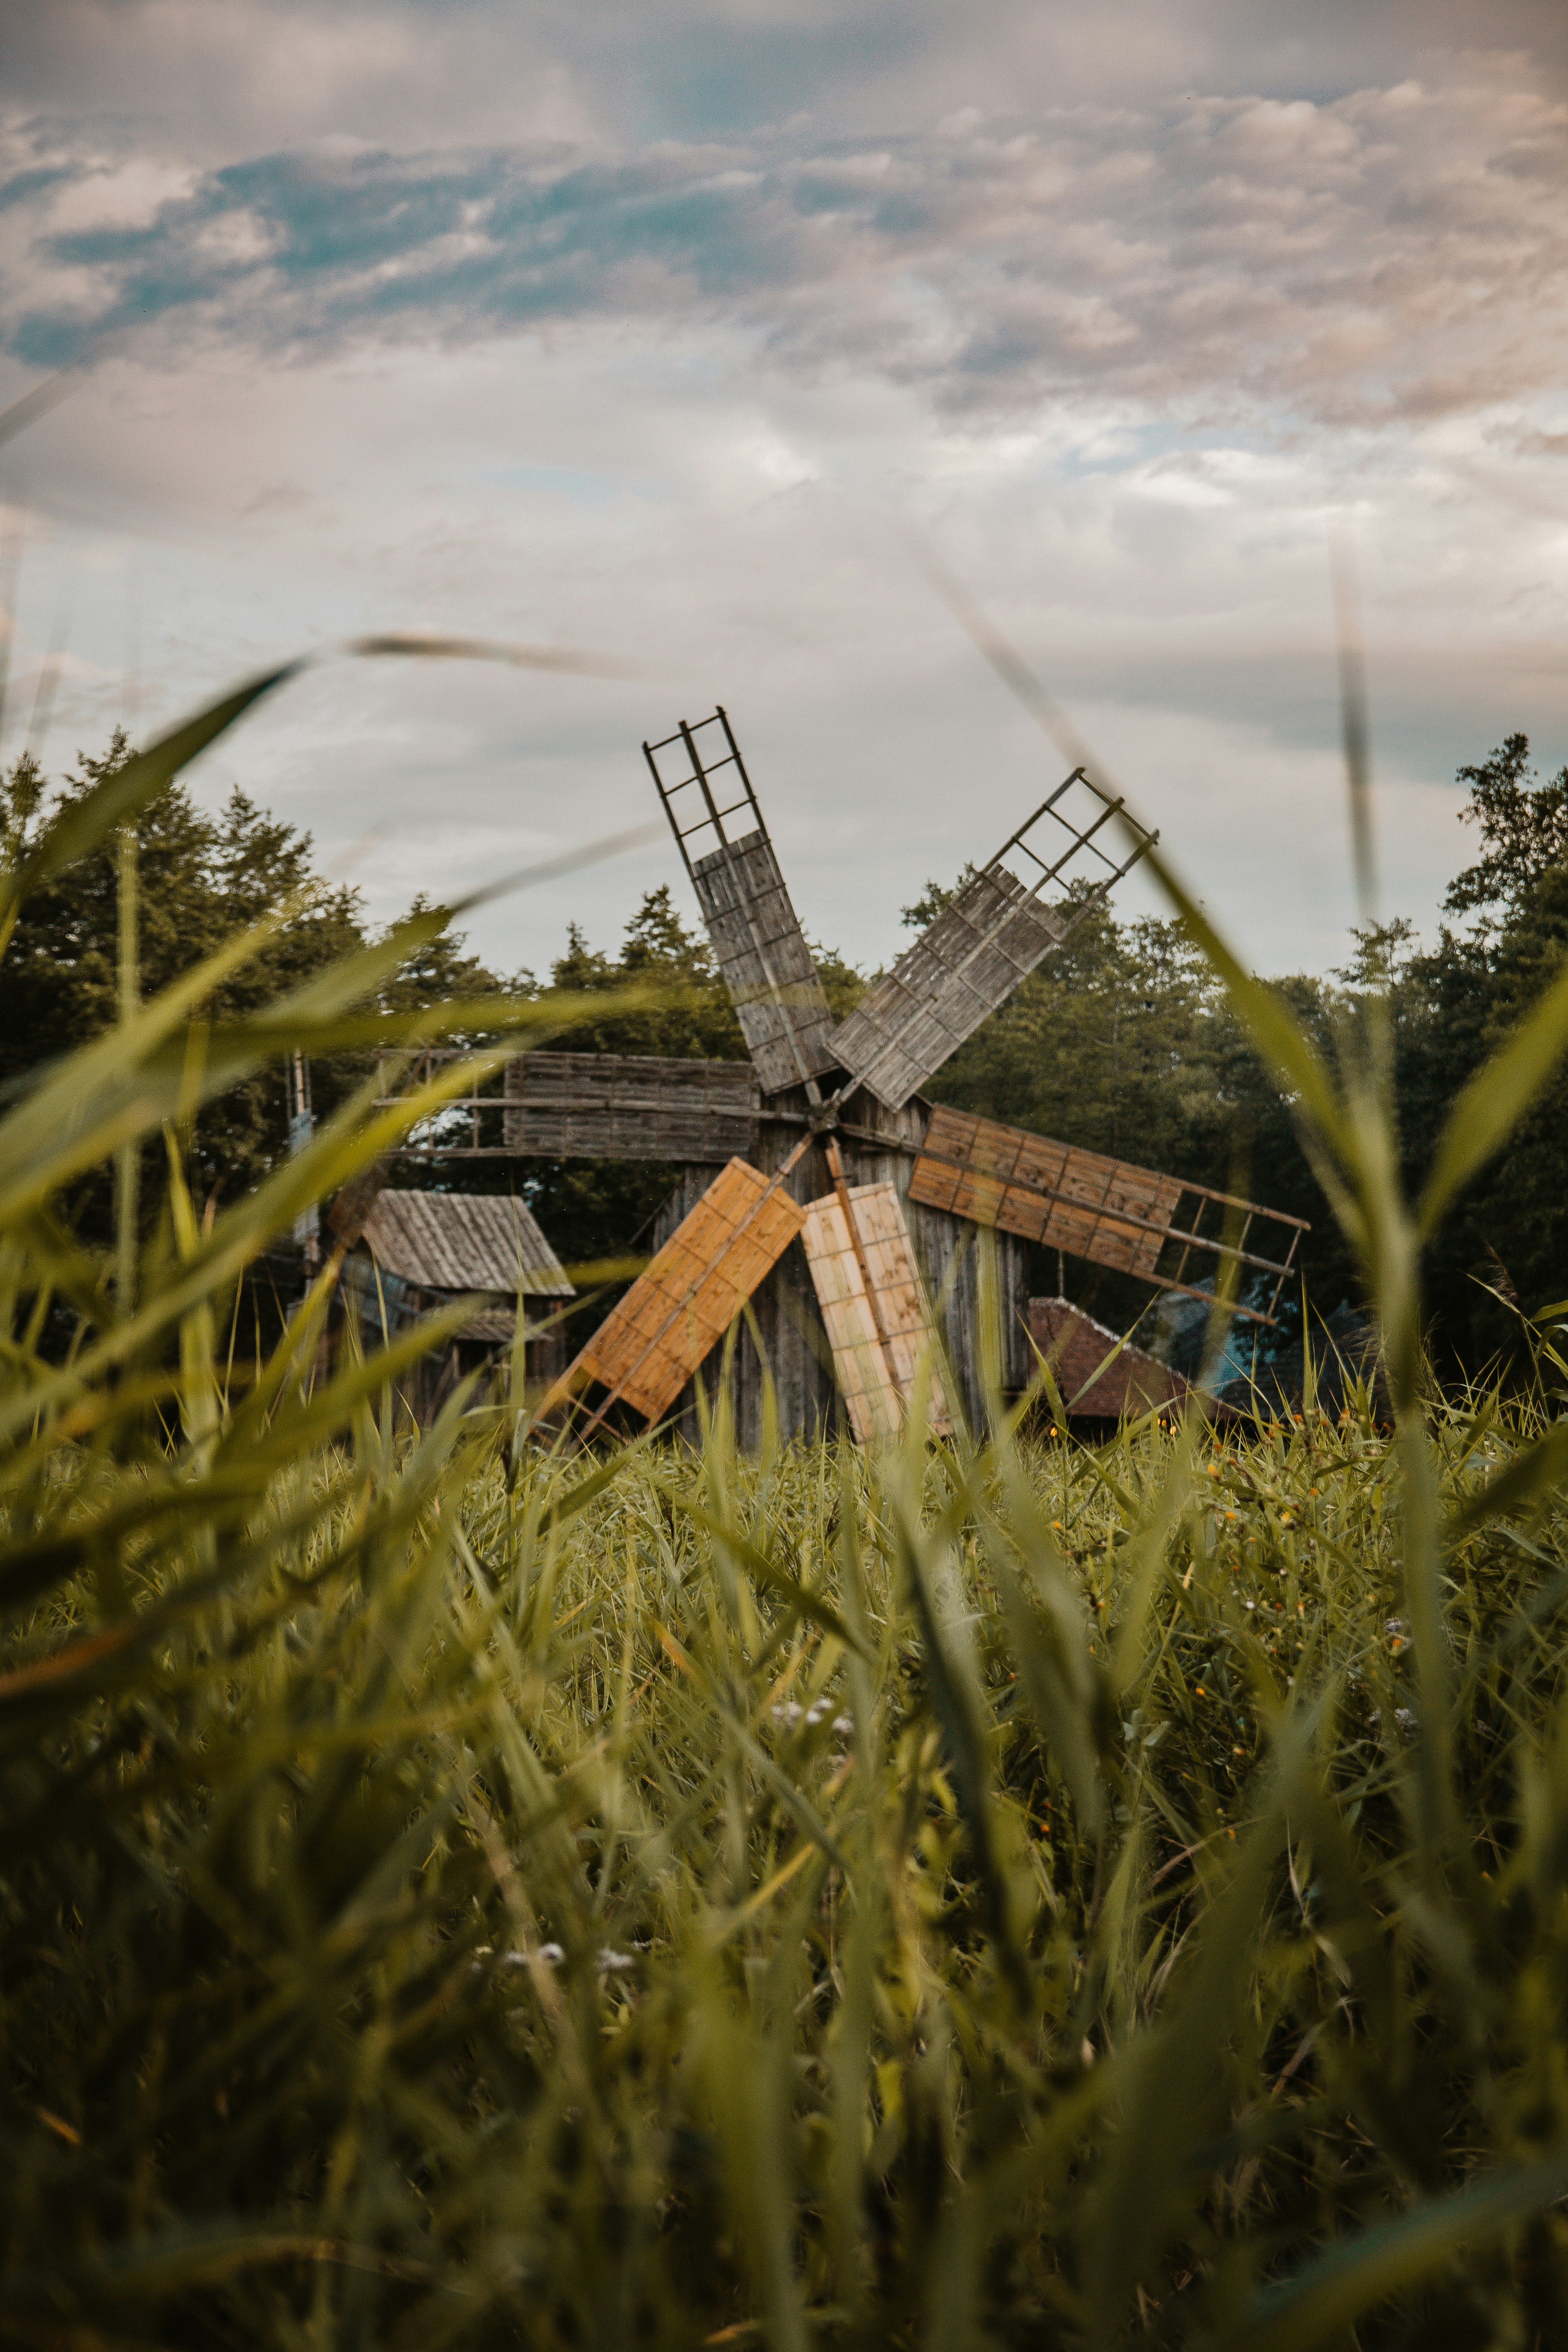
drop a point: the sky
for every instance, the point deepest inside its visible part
(686, 336)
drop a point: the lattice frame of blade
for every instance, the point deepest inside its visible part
(766, 965)
(629, 1106)
(966, 964)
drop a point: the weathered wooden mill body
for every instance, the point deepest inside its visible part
(876, 1147)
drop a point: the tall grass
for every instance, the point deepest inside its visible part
(982, 1894)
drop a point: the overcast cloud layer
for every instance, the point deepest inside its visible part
(668, 362)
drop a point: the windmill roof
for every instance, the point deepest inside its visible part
(464, 1241)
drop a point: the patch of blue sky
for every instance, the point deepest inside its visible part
(1127, 441)
(734, 79)
(23, 186)
(579, 486)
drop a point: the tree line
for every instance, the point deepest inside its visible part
(1123, 1042)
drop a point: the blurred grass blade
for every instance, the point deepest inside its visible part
(1171, 2084)
(33, 404)
(1352, 662)
(1538, 1469)
(1338, 2286)
(1286, 1050)
(562, 660)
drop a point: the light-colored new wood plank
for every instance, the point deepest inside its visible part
(878, 1343)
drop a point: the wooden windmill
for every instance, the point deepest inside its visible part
(844, 1204)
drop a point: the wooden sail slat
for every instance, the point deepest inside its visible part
(878, 1344)
(1109, 1211)
(989, 935)
(766, 965)
(629, 1106)
(686, 1299)
(959, 971)
(758, 944)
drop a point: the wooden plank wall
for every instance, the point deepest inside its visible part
(785, 1306)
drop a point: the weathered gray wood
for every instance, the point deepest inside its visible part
(629, 1106)
(761, 950)
(463, 1241)
(962, 966)
(960, 1263)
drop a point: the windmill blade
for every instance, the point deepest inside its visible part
(601, 1106)
(630, 1107)
(687, 1295)
(1109, 1210)
(874, 1307)
(972, 956)
(758, 943)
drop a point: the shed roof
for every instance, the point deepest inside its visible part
(464, 1241)
(1075, 1346)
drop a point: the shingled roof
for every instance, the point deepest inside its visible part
(464, 1241)
(1075, 1346)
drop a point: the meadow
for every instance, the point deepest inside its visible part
(1004, 1892)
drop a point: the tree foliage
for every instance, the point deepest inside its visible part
(201, 879)
(1452, 1005)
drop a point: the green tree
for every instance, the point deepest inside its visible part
(201, 879)
(1453, 1006)
(1523, 826)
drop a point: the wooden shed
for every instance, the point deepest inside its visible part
(420, 1251)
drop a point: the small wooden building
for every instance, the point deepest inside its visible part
(420, 1251)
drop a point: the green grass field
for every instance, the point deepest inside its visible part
(981, 1894)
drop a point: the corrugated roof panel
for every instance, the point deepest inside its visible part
(464, 1241)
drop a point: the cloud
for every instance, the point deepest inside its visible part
(391, 348)
(1396, 253)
